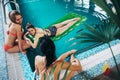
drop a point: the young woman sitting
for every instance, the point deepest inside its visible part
(43, 67)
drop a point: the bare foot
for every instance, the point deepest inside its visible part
(72, 57)
(76, 19)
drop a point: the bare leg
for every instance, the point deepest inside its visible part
(40, 67)
(16, 49)
(61, 27)
(62, 24)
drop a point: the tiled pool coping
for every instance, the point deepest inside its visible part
(3, 66)
(26, 67)
(96, 49)
(96, 70)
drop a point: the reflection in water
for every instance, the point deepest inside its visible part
(58, 8)
(86, 6)
(77, 5)
(82, 5)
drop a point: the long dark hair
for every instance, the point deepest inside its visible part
(47, 47)
(12, 15)
(29, 25)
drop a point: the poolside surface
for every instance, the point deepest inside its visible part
(11, 64)
(3, 69)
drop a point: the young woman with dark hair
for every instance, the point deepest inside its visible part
(52, 31)
(43, 69)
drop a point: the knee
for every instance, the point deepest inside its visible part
(37, 58)
(78, 65)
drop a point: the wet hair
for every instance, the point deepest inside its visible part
(29, 25)
(12, 15)
(47, 47)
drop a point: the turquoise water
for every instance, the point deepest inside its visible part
(42, 13)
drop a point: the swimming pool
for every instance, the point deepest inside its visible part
(42, 13)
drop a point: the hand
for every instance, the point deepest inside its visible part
(25, 35)
(73, 51)
(76, 19)
(75, 61)
(27, 40)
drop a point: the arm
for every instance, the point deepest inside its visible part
(26, 35)
(35, 43)
(63, 56)
(66, 65)
(72, 67)
(39, 34)
(19, 36)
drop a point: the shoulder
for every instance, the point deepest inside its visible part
(39, 32)
(38, 35)
(57, 62)
(13, 26)
(39, 29)
(17, 26)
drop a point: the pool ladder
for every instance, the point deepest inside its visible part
(14, 69)
(3, 5)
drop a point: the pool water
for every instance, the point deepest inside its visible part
(42, 13)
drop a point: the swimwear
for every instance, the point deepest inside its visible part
(6, 47)
(53, 30)
(13, 34)
(8, 32)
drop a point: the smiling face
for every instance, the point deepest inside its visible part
(18, 19)
(31, 31)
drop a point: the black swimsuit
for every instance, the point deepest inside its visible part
(53, 30)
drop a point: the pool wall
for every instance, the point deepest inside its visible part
(95, 59)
